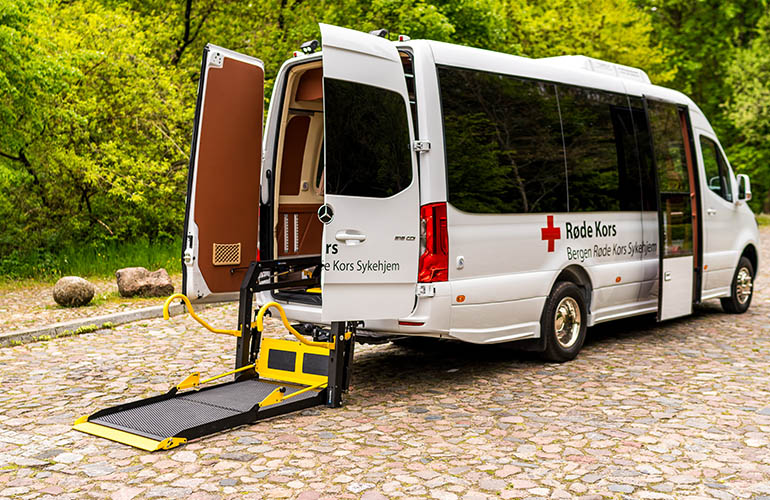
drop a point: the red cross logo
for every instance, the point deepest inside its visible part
(550, 233)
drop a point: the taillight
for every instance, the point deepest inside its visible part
(434, 244)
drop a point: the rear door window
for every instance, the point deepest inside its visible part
(367, 145)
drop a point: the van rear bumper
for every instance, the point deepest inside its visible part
(430, 316)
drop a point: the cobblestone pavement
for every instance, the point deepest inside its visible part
(678, 410)
(29, 304)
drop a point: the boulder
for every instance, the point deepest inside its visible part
(138, 281)
(73, 291)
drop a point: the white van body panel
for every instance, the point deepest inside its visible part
(727, 228)
(500, 268)
(371, 244)
(677, 283)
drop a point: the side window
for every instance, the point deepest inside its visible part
(368, 150)
(669, 147)
(407, 61)
(717, 174)
(644, 155)
(724, 173)
(673, 177)
(503, 143)
(603, 173)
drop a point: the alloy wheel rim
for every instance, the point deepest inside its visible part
(743, 286)
(567, 322)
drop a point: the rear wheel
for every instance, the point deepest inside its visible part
(742, 288)
(563, 324)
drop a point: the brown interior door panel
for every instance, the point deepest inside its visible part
(228, 172)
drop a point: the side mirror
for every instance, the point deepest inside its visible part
(744, 187)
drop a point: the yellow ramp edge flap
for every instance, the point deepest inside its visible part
(119, 436)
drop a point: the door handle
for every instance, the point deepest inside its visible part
(350, 237)
(711, 211)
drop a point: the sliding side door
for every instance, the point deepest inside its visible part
(677, 207)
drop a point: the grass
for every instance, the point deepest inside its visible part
(763, 219)
(97, 260)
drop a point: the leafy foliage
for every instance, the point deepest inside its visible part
(716, 47)
(748, 78)
(97, 96)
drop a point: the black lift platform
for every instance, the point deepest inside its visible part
(273, 377)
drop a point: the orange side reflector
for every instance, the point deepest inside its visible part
(460, 298)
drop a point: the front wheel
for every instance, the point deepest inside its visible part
(563, 324)
(742, 288)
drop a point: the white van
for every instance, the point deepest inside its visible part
(438, 190)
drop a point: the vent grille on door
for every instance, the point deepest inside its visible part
(227, 254)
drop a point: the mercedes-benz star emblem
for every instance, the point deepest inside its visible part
(325, 213)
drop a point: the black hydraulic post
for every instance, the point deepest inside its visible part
(244, 348)
(337, 361)
(348, 363)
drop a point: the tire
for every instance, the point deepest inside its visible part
(564, 345)
(741, 289)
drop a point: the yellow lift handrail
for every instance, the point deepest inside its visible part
(300, 337)
(234, 333)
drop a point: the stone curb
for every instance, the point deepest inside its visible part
(92, 324)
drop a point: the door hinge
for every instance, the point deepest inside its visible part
(421, 146)
(217, 59)
(188, 257)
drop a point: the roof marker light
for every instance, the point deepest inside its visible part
(309, 47)
(403, 38)
(382, 33)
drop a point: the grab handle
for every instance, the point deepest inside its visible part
(300, 337)
(234, 333)
(350, 237)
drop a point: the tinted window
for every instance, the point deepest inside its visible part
(368, 150)
(673, 178)
(644, 155)
(599, 141)
(503, 143)
(669, 147)
(717, 177)
(408, 64)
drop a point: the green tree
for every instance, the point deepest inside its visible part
(614, 30)
(701, 37)
(97, 96)
(748, 109)
(31, 75)
(92, 141)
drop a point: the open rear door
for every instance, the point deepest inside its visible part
(677, 208)
(371, 209)
(223, 184)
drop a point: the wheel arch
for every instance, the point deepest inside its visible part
(579, 276)
(750, 252)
